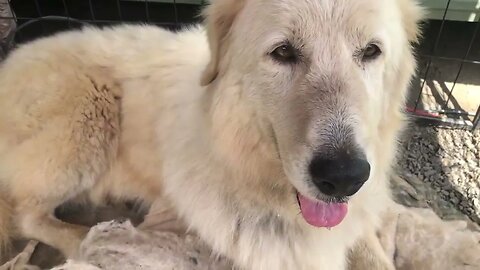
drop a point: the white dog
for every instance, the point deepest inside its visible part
(271, 134)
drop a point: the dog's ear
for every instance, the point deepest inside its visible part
(412, 15)
(219, 17)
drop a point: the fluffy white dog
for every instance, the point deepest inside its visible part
(271, 133)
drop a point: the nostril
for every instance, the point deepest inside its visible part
(326, 187)
(365, 171)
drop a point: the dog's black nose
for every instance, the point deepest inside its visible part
(339, 177)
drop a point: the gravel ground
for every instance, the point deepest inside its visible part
(440, 168)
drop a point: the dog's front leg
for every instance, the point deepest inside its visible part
(44, 227)
(368, 254)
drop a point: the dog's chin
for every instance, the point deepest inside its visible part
(324, 212)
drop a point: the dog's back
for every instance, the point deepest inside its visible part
(67, 127)
(59, 133)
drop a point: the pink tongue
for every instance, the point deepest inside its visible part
(322, 214)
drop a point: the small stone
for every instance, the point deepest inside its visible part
(454, 200)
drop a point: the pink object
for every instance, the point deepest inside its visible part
(322, 214)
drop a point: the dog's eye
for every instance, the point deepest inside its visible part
(285, 53)
(371, 52)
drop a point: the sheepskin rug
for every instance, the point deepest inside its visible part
(414, 238)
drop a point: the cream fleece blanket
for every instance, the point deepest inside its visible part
(417, 239)
(414, 239)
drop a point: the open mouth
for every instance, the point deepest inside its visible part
(320, 213)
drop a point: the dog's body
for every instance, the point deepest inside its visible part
(121, 112)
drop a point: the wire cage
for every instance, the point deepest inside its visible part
(447, 86)
(25, 20)
(446, 89)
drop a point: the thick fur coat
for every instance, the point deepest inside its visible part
(208, 119)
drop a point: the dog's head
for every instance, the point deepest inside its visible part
(329, 78)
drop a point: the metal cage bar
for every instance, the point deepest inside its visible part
(429, 63)
(470, 45)
(92, 12)
(119, 10)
